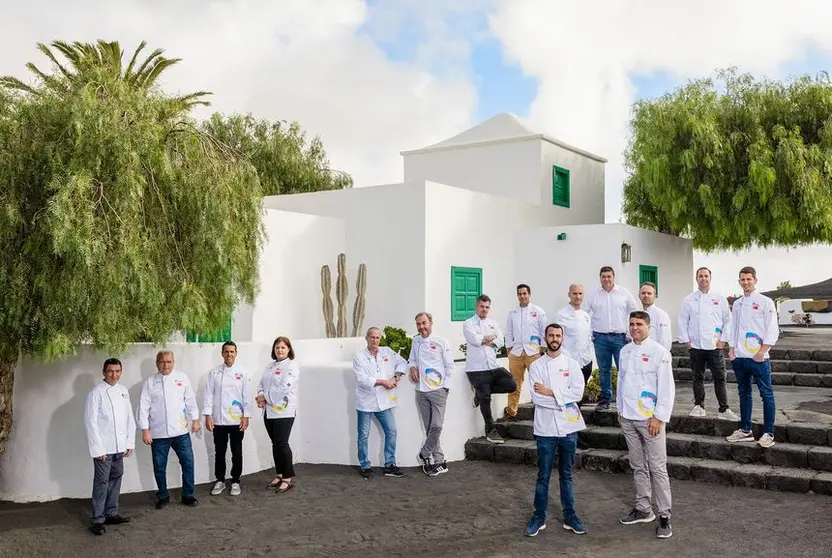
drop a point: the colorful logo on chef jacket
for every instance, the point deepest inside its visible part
(183, 419)
(235, 411)
(572, 412)
(534, 340)
(277, 372)
(717, 334)
(433, 377)
(753, 342)
(280, 407)
(755, 306)
(391, 395)
(647, 403)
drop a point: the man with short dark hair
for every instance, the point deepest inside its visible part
(659, 319)
(524, 339)
(483, 336)
(111, 435)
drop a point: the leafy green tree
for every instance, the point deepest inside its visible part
(119, 217)
(733, 162)
(286, 162)
(784, 285)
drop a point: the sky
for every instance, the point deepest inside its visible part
(375, 77)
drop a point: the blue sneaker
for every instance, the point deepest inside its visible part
(536, 525)
(574, 524)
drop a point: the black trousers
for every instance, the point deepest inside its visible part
(279, 430)
(222, 433)
(587, 372)
(715, 360)
(486, 382)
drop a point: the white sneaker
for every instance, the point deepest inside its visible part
(698, 411)
(235, 489)
(766, 440)
(218, 488)
(740, 436)
(728, 414)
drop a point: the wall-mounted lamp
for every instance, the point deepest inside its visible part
(626, 252)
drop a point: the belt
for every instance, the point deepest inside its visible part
(615, 333)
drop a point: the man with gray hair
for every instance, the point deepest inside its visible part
(431, 365)
(166, 415)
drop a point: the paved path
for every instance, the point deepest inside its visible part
(477, 510)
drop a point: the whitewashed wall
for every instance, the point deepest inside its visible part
(586, 184)
(47, 456)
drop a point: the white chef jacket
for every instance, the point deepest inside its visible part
(660, 326)
(645, 382)
(524, 330)
(560, 414)
(279, 385)
(384, 365)
(577, 333)
(433, 358)
(481, 357)
(610, 311)
(704, 320)
(108, 419)
(167, 405)
(228, 395)
(755, 324)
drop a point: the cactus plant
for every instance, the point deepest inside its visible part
(326, 288)
(341, 293)
(358, 309)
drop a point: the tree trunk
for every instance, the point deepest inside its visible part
(8, 363)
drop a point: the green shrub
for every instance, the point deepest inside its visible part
(397, 339)
(501, 351)
(593, 386)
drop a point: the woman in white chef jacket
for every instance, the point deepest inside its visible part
(277, 395)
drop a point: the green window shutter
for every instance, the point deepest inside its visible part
(560, 186)
(466, 286)
(220, 336)
(648, 274)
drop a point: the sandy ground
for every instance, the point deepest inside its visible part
(477, 509)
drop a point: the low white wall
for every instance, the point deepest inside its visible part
(47, 455)
(793, 307)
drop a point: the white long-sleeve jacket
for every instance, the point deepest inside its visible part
(755, 324)
(704, 320)
(167, 405)
(525, 328)
(478, 356)
(279, 385)
(660, 326)
(577, 333)
(645, 382)
(108, 418)
(433, 358)
(368, 368)
(228, 395)
(558, 414)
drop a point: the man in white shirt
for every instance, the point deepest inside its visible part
(377, 372)
(609, 306)
(166, 414)
(483, 336)
(556, 387)
(754, 331)
(524, 335)
(111, 435)
(227, 407)
(577, 330)
(704, 327)
(431, 364)
(659, 319)
(646, 393)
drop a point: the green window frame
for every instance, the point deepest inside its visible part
(466, 286)
(648, 274)
(561, 194)
(220, 336)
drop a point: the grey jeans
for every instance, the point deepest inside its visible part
(648, 459)
(431, 406)
(106, 486)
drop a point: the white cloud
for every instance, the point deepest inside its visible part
(305, 60)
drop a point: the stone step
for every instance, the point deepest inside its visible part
(813, 379)
(797, 366)
(775, 353)
(750, 475)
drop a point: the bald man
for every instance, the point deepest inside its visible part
(577, 333)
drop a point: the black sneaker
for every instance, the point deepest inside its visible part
(393, 471)
(162, 502)
(192, 502)
(365, 473)
(494, 437)
(664, 531)
(97, 529)
(442, 468)
(116, 520)
(427, 466)
(602, 406)
(434, 471)
(636, 516)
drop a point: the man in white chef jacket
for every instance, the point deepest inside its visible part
(111, 435)
(524, 340)
(577, 330)
(645, 397)
(227, 406)
(377, 372)
(431, 365)
(704, 328)
(556, 386)
(166, 414)
(659, 319)
(483, 337)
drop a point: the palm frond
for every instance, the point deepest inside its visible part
(129, 71)
(51, 56)
(149, 76)
(147, 61)
(11, 82)
(50, 81)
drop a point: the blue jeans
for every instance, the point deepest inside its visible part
(549, 447)
(159, 449)
(607, 348)
(746, 369)
(388, 425)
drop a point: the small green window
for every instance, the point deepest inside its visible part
(648, 274)
(213, 337)
(466, 286)
(560, 186)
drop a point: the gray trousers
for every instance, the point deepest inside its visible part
(432, 409)
(648, 459)
(106, 486)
